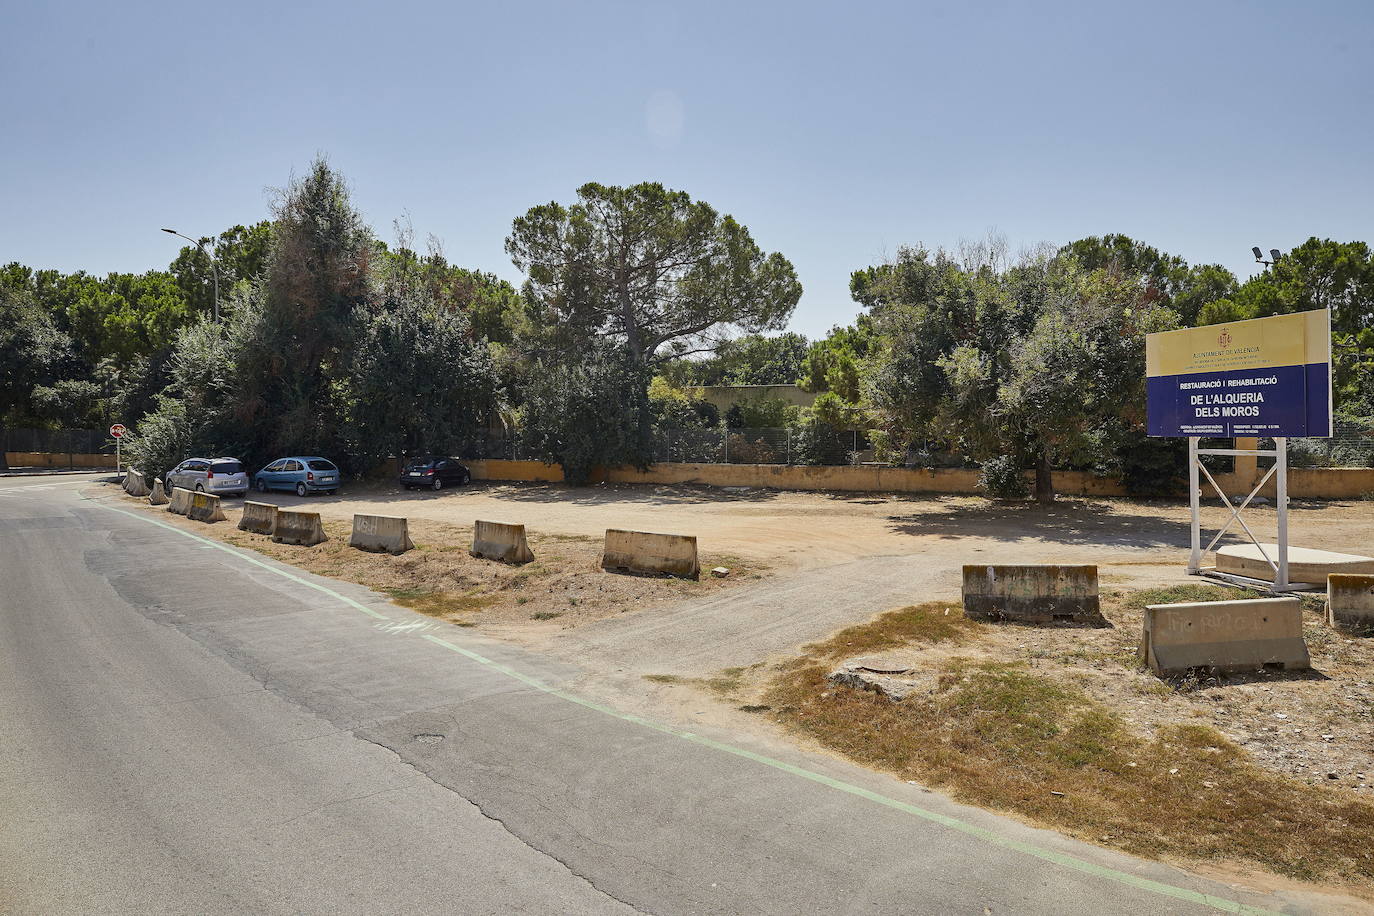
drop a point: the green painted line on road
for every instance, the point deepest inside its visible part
(1064, 860)
(982, 833)
(207, 542)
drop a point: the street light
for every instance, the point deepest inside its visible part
(214, 271)
(1259, 256)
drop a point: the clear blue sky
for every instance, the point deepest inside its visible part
(836, 132)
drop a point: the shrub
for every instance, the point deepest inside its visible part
(1003, 478)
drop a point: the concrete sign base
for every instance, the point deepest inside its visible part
(1304, 565)
(1224, 636)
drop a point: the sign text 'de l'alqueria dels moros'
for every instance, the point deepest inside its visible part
(1261, 377)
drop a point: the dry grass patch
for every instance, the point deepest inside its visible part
(1061, 726)
(933, 622)
(564, 583)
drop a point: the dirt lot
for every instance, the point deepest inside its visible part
(790, 529)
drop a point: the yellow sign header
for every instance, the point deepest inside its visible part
(1257, 343)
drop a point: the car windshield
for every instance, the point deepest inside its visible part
(321, 465)
(226, 467)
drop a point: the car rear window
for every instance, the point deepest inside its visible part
(226, 467)
(318, 465)
(418, 464)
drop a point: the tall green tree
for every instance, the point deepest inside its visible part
(591, 412)
(419, 380)
(317, 276)
(1036, 362)
(650, 269)
(33, 353)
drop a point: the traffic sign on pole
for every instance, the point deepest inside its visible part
(118, 430)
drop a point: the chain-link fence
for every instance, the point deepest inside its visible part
(813, 445)
(59, 441)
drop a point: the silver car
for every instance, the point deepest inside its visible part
(218, 476)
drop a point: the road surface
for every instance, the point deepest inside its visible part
(185, 727)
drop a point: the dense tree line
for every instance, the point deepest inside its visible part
(331, 341)
(1038, 362)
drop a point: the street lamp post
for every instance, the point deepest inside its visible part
(214, 270)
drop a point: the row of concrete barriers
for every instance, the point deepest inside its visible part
(624, 551)
(1242, 635)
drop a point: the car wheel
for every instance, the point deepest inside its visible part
(200, 489)
(438, 483)
(301, 490)
(331, 492)
(467, 478)
(262, 486)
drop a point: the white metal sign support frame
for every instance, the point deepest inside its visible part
(1279, 471)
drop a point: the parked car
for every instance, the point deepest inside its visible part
(219, 476)
(435, 472)
(302, 474)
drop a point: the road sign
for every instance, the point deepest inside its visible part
(1260, 378)
(1265, 377)
(118, 430)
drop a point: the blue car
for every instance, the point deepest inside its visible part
(302, 474)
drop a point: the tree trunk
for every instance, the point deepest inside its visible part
(1044, 480)
(4, 444)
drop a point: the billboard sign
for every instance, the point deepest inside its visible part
(1262, 377)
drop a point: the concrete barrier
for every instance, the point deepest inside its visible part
(500, 541)
(205, 508)
(128, 480)
(1350, 600)
(258, 517)
(180, 501)
(1035, 593)
(1224, 636)
(157, 496)
(302, 528)
(135, 484)
(381, 533)
(644, 552)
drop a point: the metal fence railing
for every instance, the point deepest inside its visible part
(59, 441)
(805, 445)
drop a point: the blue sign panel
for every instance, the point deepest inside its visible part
(1281, 401)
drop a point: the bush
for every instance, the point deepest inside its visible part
(815, 443)
(1003, 478)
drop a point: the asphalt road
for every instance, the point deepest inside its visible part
(188, 728)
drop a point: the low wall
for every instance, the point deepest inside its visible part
(1303, 483)
(58, 460)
